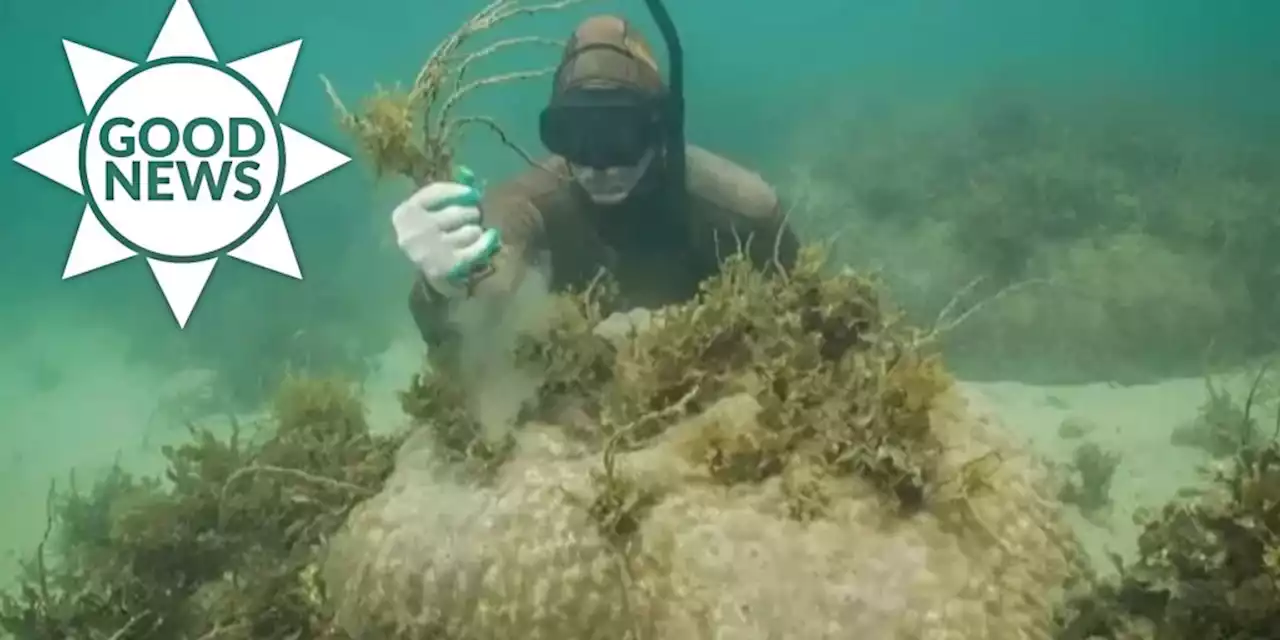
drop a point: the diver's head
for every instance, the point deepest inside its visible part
(605, 117)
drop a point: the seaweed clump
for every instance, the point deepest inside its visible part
(224, 545)
(781, 455)
(1088, 485)
(1208, 568)
(1223, 425)
(414, 132)
(439, 404)
(1208, 564)
(841, 384)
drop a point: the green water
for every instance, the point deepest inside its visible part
(83, 361)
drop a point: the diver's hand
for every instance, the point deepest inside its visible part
(440, 230)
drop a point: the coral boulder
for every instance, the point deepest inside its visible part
(781, 457)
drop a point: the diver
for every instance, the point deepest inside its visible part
(606, 199)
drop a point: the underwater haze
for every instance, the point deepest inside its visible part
(1097, 182)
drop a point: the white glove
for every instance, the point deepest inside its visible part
(439, 229)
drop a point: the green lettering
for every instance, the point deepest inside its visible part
(189, 137)
(133, 186)
(259, 134)
(154, 179)
(125, 149)
(204, 173)
(144, 137)
(254, 185)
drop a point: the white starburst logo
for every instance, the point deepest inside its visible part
(182, 159)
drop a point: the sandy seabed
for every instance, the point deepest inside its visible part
(106, 410)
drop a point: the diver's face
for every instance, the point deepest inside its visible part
(608, 136)
(611, 185)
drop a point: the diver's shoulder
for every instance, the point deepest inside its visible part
(730, 188)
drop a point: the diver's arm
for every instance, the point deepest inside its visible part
(434, 313)
(518, 223)
(431, 314)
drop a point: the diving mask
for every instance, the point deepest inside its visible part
(602, 128)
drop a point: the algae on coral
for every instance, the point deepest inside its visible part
(780, 456)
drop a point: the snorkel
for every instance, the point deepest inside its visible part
(674, 108)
